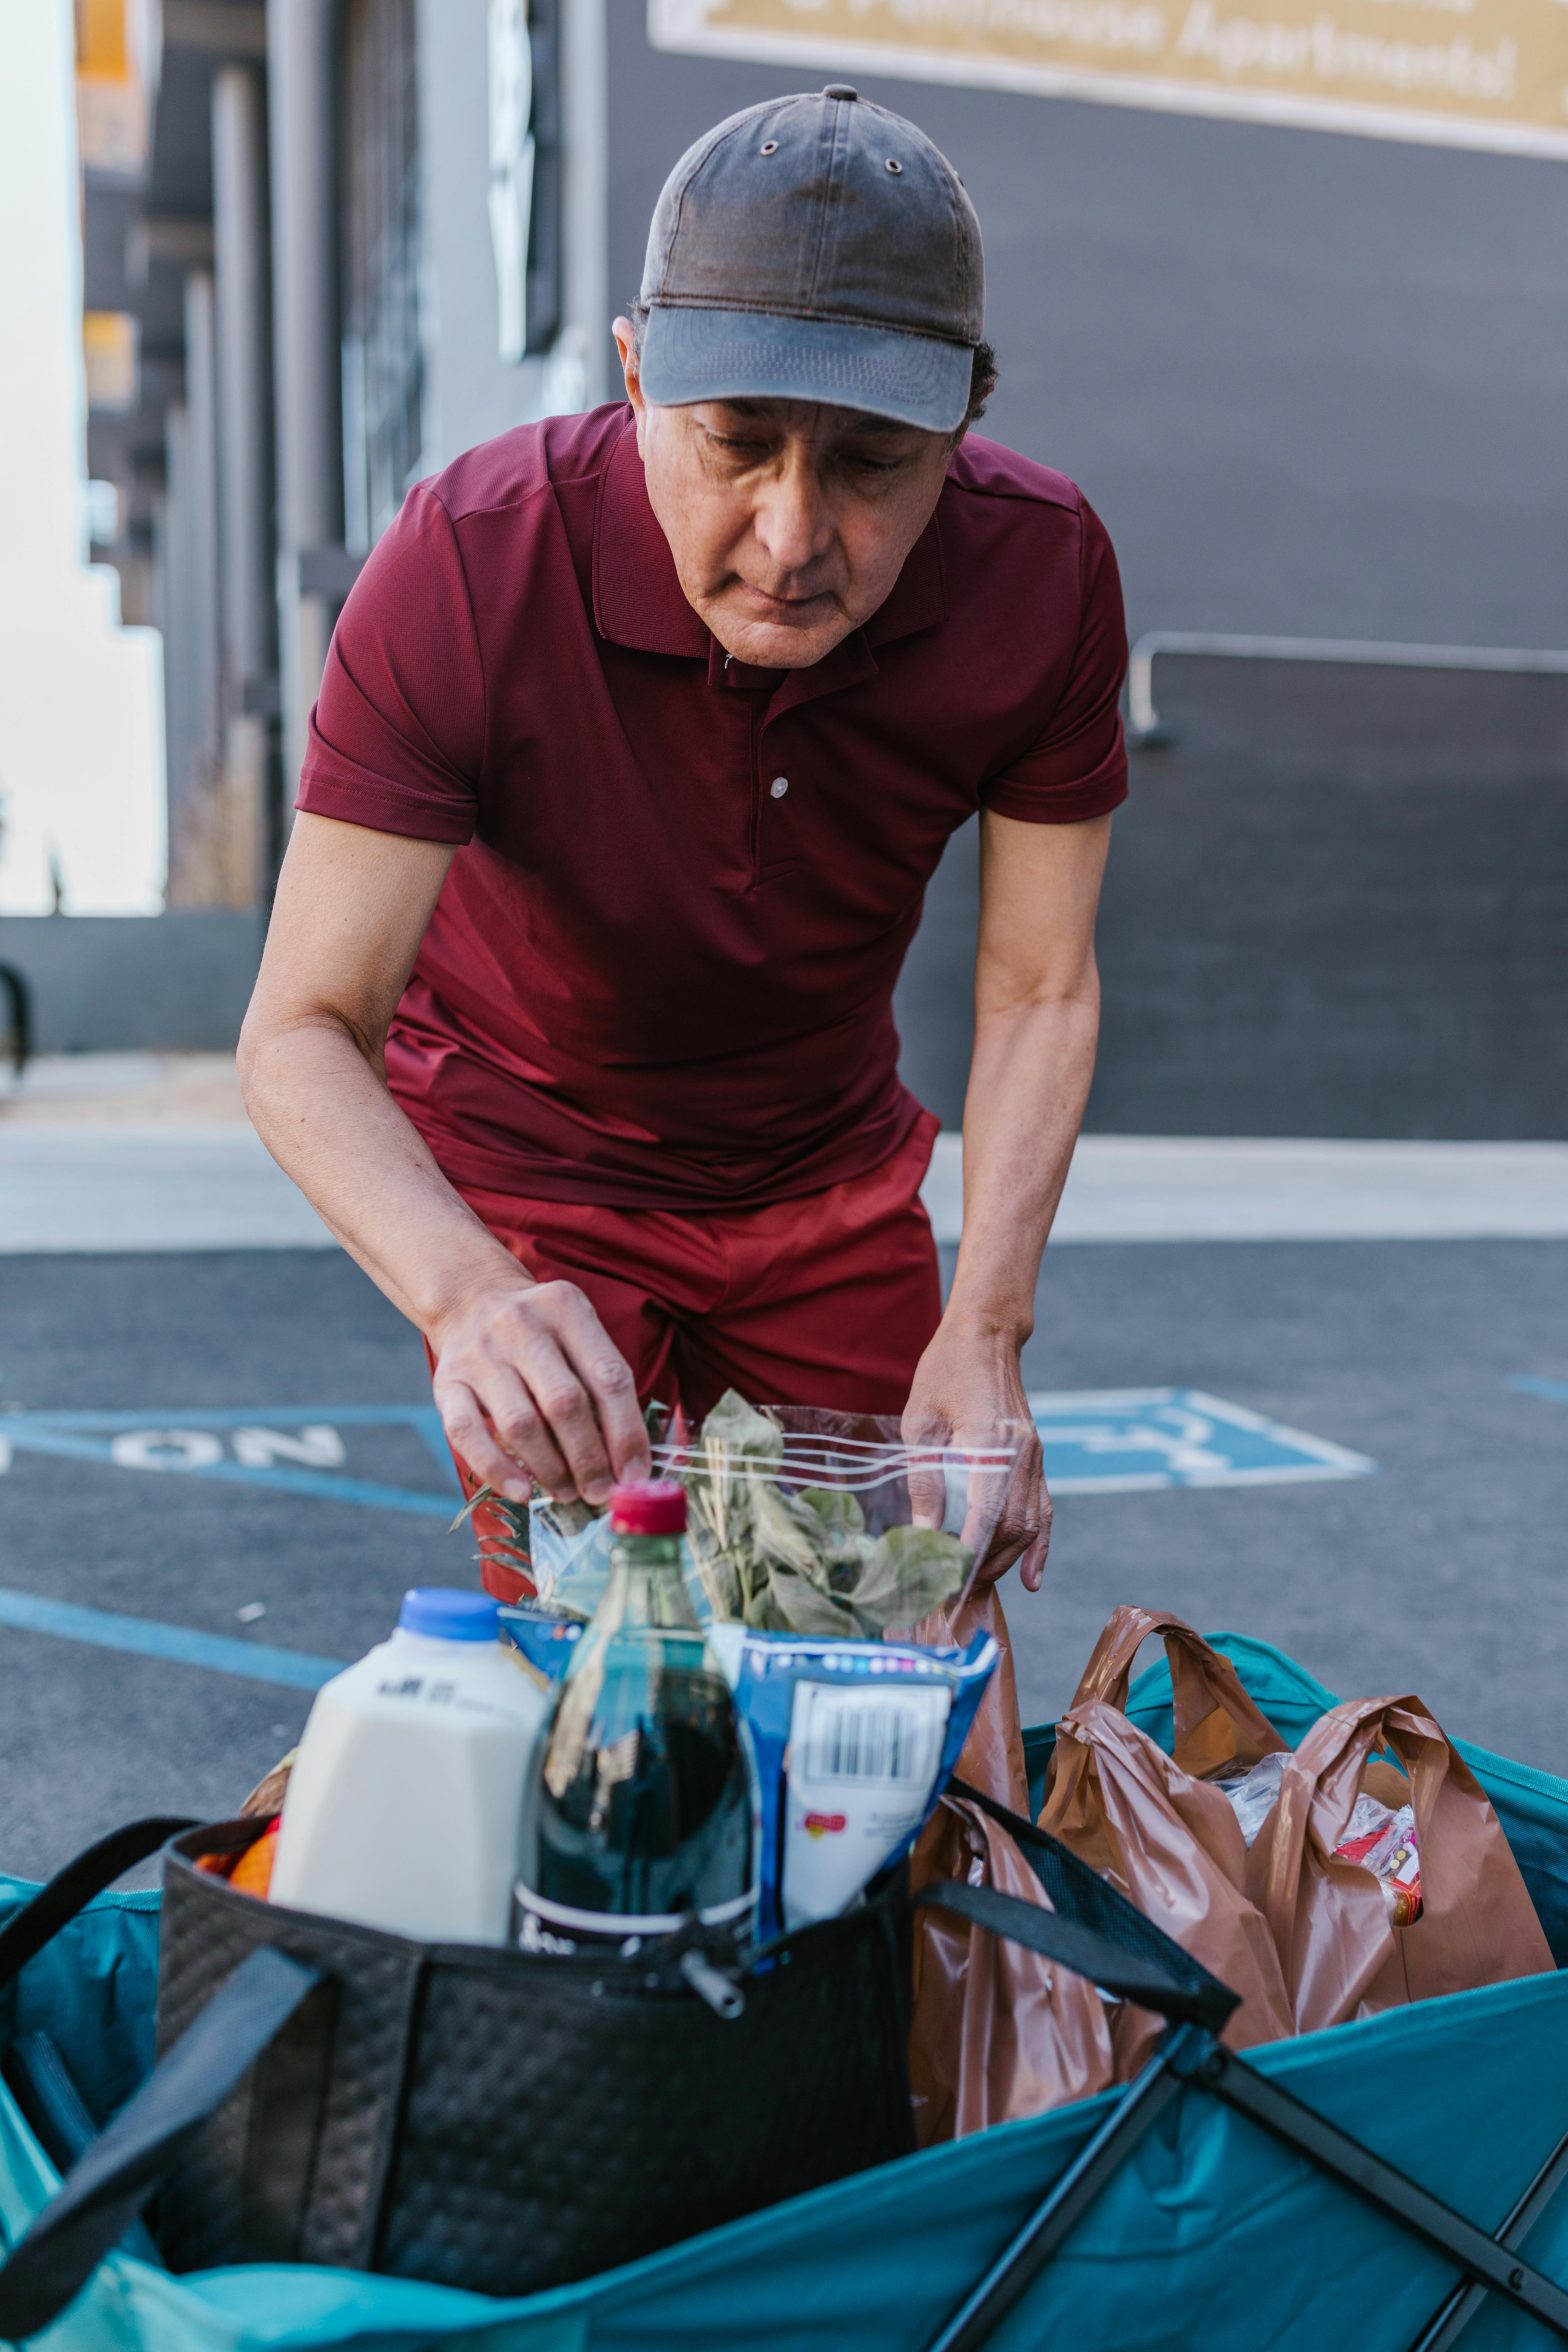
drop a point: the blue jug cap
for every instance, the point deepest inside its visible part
(450, 1614)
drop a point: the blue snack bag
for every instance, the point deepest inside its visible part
(545, 1637)
(854, 1742)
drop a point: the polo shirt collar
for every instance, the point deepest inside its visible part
(637, 596)
(638, 600)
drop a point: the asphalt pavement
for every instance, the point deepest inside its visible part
(218, 1473)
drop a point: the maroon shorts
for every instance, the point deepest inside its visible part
(828, 1299)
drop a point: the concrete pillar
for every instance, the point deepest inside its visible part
(302, 37)
(249, 602)
(239, 217)
(585, 232)
(174, 620)
(201, 426)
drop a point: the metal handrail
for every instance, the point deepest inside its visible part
(17, 1040)
(1144, 724)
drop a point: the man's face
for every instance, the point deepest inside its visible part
(789, 522)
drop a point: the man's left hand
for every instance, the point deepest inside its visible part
(967, 1386)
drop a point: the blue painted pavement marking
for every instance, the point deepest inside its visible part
(1531, 1384)
(1100, 1441)
(145, 1637)
(292, 1448)
(1129, 1441)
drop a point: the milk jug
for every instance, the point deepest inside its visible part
(403, 1805)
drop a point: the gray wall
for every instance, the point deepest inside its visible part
(129, 983)
(1313, 383)
(471, 392)
(1330, 910)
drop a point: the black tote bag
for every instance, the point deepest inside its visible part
(506, 2121)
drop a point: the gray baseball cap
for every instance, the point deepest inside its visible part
(815, 248)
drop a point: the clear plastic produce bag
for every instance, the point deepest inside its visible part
(804, 1521)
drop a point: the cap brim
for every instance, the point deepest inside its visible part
(699, 354)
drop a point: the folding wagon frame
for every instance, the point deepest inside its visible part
(1090, 1928)
(1190, 2056)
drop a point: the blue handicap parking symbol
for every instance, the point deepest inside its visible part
(1124, 1441)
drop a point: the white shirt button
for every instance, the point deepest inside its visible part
(779, 786)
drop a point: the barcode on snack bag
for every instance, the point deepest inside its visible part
(884, 1735)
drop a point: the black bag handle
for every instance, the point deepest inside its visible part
(1091, 1928)
(72, 1888)
(53, 2259)
(113, 2178)
(1073, 1945)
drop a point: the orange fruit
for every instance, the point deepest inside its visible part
(252, 1873)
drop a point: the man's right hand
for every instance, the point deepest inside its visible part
(529, 1385)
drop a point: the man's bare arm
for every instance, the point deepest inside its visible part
(1037, 1010)
(527, 1376)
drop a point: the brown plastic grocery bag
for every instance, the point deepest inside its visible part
(1159, 1829)
(1220, 1734)
(1342, 1958)
(992, 1758)
(996, 2031)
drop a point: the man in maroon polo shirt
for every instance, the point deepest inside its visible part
(641, 735)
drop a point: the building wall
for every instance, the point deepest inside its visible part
(472, 393)
(176, 982)
(1340, 917)
(1312, 382)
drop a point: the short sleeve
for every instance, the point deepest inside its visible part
(1078, 766)
(397, 735)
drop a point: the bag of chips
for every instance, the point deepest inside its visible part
(853, 1741)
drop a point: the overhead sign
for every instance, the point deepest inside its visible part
(111, 103)
(1470, 73)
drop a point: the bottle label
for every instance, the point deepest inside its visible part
(539, 1925)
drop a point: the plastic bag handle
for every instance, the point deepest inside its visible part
(1106, 1939)
(109, 2184)
(1324, 1776)
(1203, 1681)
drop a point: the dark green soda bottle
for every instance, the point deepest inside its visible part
(641, 1808)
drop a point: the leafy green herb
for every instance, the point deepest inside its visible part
(911, 1571)
(801, 1560)
(782, 1559)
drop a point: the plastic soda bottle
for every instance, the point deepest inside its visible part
(641, 1808)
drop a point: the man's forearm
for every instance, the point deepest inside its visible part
(324, 1113)
(1028, 1083)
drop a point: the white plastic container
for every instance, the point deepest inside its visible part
(403, 1805)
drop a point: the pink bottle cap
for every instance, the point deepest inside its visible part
(649, 1506)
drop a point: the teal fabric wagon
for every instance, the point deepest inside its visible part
(1384, 2187)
